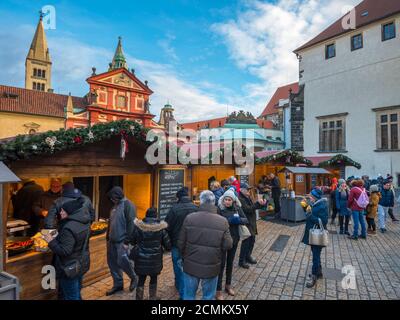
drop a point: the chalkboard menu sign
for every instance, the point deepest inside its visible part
(244, 179)
(170, 181)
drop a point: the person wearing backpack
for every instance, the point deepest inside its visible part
(357, 203)
(119, 235)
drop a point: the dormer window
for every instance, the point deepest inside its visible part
(330, 51)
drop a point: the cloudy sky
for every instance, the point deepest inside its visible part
(205, 57)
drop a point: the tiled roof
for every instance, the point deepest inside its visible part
(219, 122)
(13, 99)
(377, 10)
(280, 93)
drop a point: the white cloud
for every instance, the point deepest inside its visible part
(263, 36)
(166, 45)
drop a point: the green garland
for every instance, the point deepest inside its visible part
(27, 146)
(340, 160)
(287, 157)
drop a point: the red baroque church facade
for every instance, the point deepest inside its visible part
(113, 95)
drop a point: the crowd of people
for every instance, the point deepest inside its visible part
(203, 240)
(360, 200)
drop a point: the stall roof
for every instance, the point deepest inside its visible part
(302, 170)
(6, 175)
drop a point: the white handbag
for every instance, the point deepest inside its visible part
(244, 232)
(318, 236)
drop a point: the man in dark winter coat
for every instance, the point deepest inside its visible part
(249, 208)
(71, 244)
(319, 212)
(275, 186)
(69, 193)
(150, 238)
(175, 218)
(23, 204)
(119, 235)
(204, 237)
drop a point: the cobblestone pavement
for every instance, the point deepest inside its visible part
(282, 275)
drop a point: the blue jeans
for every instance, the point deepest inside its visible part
(358, 218)
(209, 287)
(71, 288)
(316, 260)
(178, 270)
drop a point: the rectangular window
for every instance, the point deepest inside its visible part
(140, 103)
(39, 73)
(330, 51)
(121, 101)
(388, 31)
(35, 72)
(34, 85)
(42, 88)
(43, 73)
(332, 135)
(388, 130)
(356, 42)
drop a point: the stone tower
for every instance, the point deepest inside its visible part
(38, 62)
(119, 60)
(166, 115)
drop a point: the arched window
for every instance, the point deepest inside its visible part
(34, 85)
(43, 73)
(32, 131)
(39, 73)
(35, 72)
(42, 88)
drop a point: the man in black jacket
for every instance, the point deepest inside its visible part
(275, 187)
(119, 235)
(175, 218)
(71, 244)
(249, 208)
(69, 193)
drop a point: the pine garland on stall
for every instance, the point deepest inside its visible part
(287, 157)
(27, 146)
(340, 160)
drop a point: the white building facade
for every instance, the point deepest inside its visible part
(352, 94)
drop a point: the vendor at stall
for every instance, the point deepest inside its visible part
(46, 200)
(23, 202)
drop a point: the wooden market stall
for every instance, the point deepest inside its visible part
(94, 167)
(338, 163)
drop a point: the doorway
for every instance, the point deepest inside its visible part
(105, 185)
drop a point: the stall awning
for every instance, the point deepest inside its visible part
(304, 170)
(6, 175)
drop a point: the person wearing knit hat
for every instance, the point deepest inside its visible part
(69, 246)
(182, 192)
(229, 207)
(319, 212)
(386, 204)
(341, 198)
(357, 203)
(150, 239)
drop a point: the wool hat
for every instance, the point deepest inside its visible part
(71, 207)
(182, 192)
(386, 181)
(244, 185)
(341, 181)
(316, 193)
(231, 194)
(151, 213)
(374, 188)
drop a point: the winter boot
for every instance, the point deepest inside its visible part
(311, 281)
(153, 292)
(139, 293)
(320, 275)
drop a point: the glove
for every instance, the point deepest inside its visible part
(235, 219)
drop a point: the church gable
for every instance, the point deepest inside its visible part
(122, 78)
